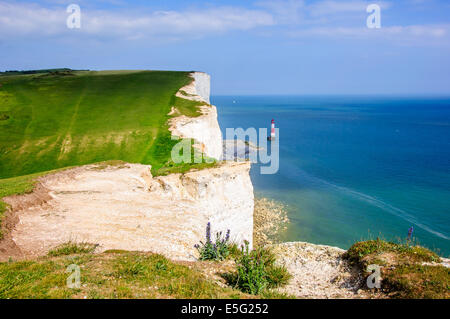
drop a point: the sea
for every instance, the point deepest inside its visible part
(354, 168)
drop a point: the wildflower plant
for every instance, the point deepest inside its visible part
(219, 249)
(257, 271)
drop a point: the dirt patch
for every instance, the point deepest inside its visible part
(320, 271)
(8, 248)
(39, 197)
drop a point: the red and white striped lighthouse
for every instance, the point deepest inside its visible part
(272, 131)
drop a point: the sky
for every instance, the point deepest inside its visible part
(248, 47)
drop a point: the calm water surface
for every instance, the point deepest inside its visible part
(353, 168)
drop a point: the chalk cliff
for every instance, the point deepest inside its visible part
(222, 195)
(204, 128)
(225, 193)
(125, 207)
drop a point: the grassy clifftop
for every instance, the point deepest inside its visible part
(407, 271)
(59, 119)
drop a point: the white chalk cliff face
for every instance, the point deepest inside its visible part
(125, 207)
(204, 128)
(222, 195)
(202, 82)
(225, 193)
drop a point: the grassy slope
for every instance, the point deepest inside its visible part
(52, 121)
(63, 119)
(113, 274)
(403, 272)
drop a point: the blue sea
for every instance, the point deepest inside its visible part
(354, 168)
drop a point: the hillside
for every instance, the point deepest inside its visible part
(68, 118)
(137, 231)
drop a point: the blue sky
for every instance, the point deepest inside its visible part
(249, 47)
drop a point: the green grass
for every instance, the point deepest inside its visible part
(403, 272)
(181, 168)
(71, 248)
(54, 120)
(419, 282)
(30, 279)
(187, 107)
(112, 274)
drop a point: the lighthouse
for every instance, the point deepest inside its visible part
(272, 131)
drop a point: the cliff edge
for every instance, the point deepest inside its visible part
(204, 128)
(122, 206)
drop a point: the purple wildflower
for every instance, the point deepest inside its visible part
(410, 231)
(208, 232)
(227, 237)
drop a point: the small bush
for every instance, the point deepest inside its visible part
(277, 276)
(71, 248)
(235, 251)
(218, 250)
(256, 271)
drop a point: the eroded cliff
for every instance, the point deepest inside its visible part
(124, 207)
(204, 128)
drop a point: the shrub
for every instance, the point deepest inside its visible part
(218, 250)
(256, 271)
(235, 251)
(277, 276)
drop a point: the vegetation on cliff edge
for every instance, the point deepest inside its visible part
(407, 271)
(112, 274)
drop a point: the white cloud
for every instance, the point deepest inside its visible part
(295, 18)
(175, 22)
(347, 19)
(399, 34)
(303, 12)
(330, 7)
(285, 11)
(26, 19)
(16, 20)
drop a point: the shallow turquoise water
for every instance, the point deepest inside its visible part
(353, 168)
